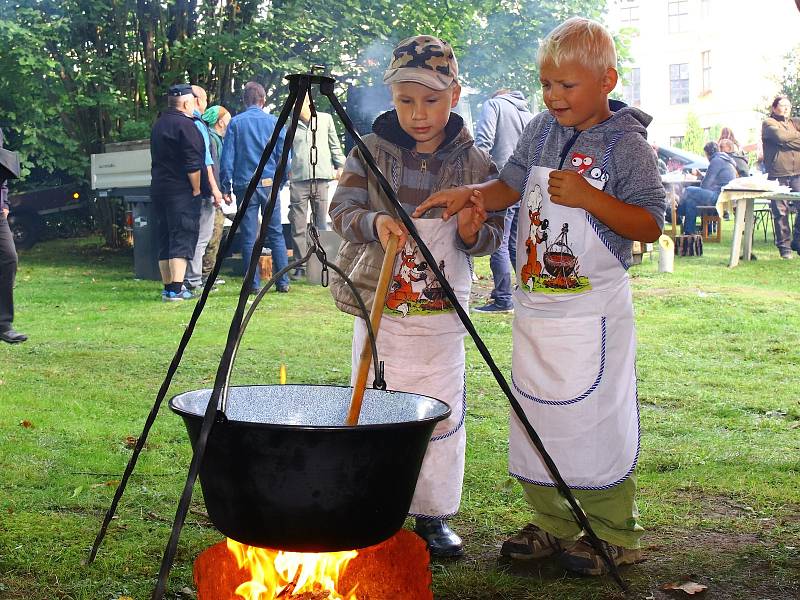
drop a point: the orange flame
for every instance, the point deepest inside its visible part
(277, 574)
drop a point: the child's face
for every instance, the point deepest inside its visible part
(575, 94)
(423, 112)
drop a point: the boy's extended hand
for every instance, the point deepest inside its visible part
(385, 226)
(452, 199)
(569, 188)
(471, 219)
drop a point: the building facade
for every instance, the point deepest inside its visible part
(721, 60)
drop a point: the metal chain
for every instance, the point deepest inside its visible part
(312, 153)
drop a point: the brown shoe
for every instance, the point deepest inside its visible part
(583, 559)
(532, 543)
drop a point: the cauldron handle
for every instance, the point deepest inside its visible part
(375, 319)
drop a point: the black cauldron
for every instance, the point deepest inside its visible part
(281, 470)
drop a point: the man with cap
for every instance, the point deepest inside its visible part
(9, 169)
(423, 147)
(179, 181)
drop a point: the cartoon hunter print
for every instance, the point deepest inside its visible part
(537, 235)
(414, 287)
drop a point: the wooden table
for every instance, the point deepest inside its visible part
(744, 201)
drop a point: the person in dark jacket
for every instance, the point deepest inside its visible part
(9, 168)
(721, 169)
(780, 134)
(739, 157)
(178, 182)
(502, 120)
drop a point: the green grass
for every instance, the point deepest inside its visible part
(718, 360)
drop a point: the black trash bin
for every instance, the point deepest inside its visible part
(145, 237)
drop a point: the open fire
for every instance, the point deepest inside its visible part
(394, 569)
(277, 574)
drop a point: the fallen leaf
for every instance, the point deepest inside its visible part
(26, 424)
(103, 308)
(77, 491)
(130, 442)
(111, 483)
(689, 587)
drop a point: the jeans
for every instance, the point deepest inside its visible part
(504, 258)
(691, 199)
(275, 240)
(194, 269)
(784, 238)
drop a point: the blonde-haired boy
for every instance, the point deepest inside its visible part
(421, 147)
(591, 185)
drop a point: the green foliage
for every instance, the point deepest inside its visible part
(80, 73)
(694, 137)
(790, 81)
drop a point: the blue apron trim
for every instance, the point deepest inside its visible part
(540, 144)
(463, 415)
(418, 515)
(585, 394)
(610, 485)
(593, 222)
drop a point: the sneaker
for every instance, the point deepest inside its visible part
(298, 274)
(173, 297)
(583, 559)
(255, 291)
(787, 255)
(532, 543)
(283, 289)
(492, 308)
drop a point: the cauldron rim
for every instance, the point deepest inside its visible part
(230, 422)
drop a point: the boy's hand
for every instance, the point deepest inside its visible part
(569, 188)
(453, 200)
(385, 226)
(471, 219)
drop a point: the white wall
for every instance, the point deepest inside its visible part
(747, 41)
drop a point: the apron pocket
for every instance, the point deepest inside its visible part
(558, 361)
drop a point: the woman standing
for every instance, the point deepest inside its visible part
(217, 119)
(780, 134)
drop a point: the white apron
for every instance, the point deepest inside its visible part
(421, 344)
(574, 347)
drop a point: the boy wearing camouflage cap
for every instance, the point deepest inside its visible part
(421, 147)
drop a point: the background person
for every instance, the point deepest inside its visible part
(217, 119)
(780, 135)
(208, 204)
(502, 120)
(330, 162)
(248, 133)
(721, 169)
(8, 253)
(178, 181)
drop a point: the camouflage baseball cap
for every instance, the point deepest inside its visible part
(423, 59)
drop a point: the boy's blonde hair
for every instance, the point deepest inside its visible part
(580, 40)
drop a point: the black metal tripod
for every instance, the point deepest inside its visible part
(299, 87)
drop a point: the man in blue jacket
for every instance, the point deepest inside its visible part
(502, 120)
(248, 134)
(721, 169)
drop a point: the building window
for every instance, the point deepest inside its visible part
(679, 83)
(631, 91)
(629, 14)
(676, 140)
(678, 15)
(707, 71)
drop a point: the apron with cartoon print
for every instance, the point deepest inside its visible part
(573, 364)
(421, 344)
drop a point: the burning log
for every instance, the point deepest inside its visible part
(396, 568)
